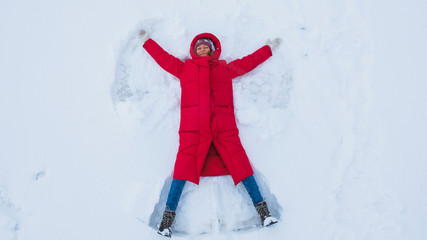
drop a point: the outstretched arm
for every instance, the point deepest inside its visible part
(168, 62)
(242, 66)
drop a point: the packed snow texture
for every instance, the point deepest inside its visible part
(90, 126)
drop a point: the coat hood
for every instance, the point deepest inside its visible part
(215, 55)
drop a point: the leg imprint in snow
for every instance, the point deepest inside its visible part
(214, 206)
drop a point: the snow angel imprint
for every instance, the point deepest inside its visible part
(209, 143)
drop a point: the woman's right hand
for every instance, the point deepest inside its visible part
(143, 35)
(274, 44)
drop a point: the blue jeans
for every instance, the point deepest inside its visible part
(175, 194)
(253, 189)
(178, 185)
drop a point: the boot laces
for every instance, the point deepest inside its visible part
(262, 210)
(167, 220)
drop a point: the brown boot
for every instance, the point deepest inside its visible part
(165, 225)
(264, 214)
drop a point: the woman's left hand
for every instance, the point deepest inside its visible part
(274, 44)
(143, 35)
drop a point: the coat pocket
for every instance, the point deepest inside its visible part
(190, 93)
(225, 118)
(189, 119)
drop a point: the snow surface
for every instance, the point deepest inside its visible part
(333, 123)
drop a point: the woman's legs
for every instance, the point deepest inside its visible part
(175, 194)
(258, 201)
(177, 187)
(171, 204)
(253, 189)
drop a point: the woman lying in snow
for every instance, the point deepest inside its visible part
(209, 143)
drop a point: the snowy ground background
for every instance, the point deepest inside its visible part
(334, 122)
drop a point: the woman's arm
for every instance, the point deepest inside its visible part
(168, 62)
(246, 64)
(242, 66)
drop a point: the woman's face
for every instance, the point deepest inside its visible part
(203, 50)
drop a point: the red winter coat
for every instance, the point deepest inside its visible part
(209, 143)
